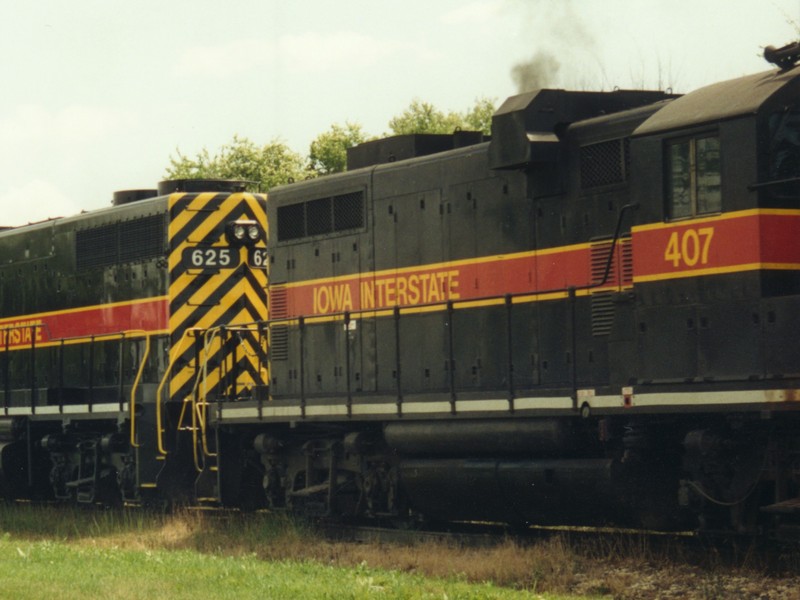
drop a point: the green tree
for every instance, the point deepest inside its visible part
(183, 167)
(423, 117)
(275, 163)
(263, 166)
(328, 152)
(479, 117)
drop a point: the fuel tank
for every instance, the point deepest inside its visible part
(545, 491)
(539, 438)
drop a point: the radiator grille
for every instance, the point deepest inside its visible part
(321, 216)
(122, 242)
(604, 163)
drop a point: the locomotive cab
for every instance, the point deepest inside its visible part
(712, 243)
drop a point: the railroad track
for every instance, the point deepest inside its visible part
(490, 534)
(465, 535)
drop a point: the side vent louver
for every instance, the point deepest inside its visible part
(620, 276)
(279, 334)
(321, 216)
(123, 242)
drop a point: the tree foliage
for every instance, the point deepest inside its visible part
(479, 117)
(328, 151)
(264, 166)
(275, 163)
(423, 117)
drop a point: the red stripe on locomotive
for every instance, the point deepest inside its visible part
(733, 242)
(150, 315)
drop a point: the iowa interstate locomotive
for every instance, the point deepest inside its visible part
(589, 318)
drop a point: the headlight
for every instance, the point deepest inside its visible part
(244, 232)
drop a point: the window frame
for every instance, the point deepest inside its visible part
(693, 181)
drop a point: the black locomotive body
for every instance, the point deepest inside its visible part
(100, 314)
(590, 317)
(586, 318)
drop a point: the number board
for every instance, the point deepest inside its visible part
(257, 258)
(210, 258)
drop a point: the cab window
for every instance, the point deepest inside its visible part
(693, 178)
(784, 152)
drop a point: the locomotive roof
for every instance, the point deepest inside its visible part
(719, 101)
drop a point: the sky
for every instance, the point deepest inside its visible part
(99, 94)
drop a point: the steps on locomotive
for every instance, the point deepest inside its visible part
(206, 488)
(206, 485)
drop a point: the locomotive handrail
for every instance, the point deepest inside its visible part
(189, 401)
(614, 243)
(135, 386)
(198, 399)
(7, 347)
(763, 184)
(202, 407)
(450, 305)
(121, 335)
(61, 342)
(6, 376)
(200, 404)
(175, 355)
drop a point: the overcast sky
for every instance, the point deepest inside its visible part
(98, 94)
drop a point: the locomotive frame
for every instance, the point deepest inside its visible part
(589, 317)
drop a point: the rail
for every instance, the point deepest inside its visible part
(61, 344)
(197, 402)
(175, 354)
(450, 307)
(199, 399)
(135, 386)
(193, 415)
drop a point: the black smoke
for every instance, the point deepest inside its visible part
(539, 72)
(563, 45)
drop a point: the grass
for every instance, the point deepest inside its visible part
(275, 538)
(47, 569)
(70, 553)
(74, 553)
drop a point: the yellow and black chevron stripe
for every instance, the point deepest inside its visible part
(221, 298)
